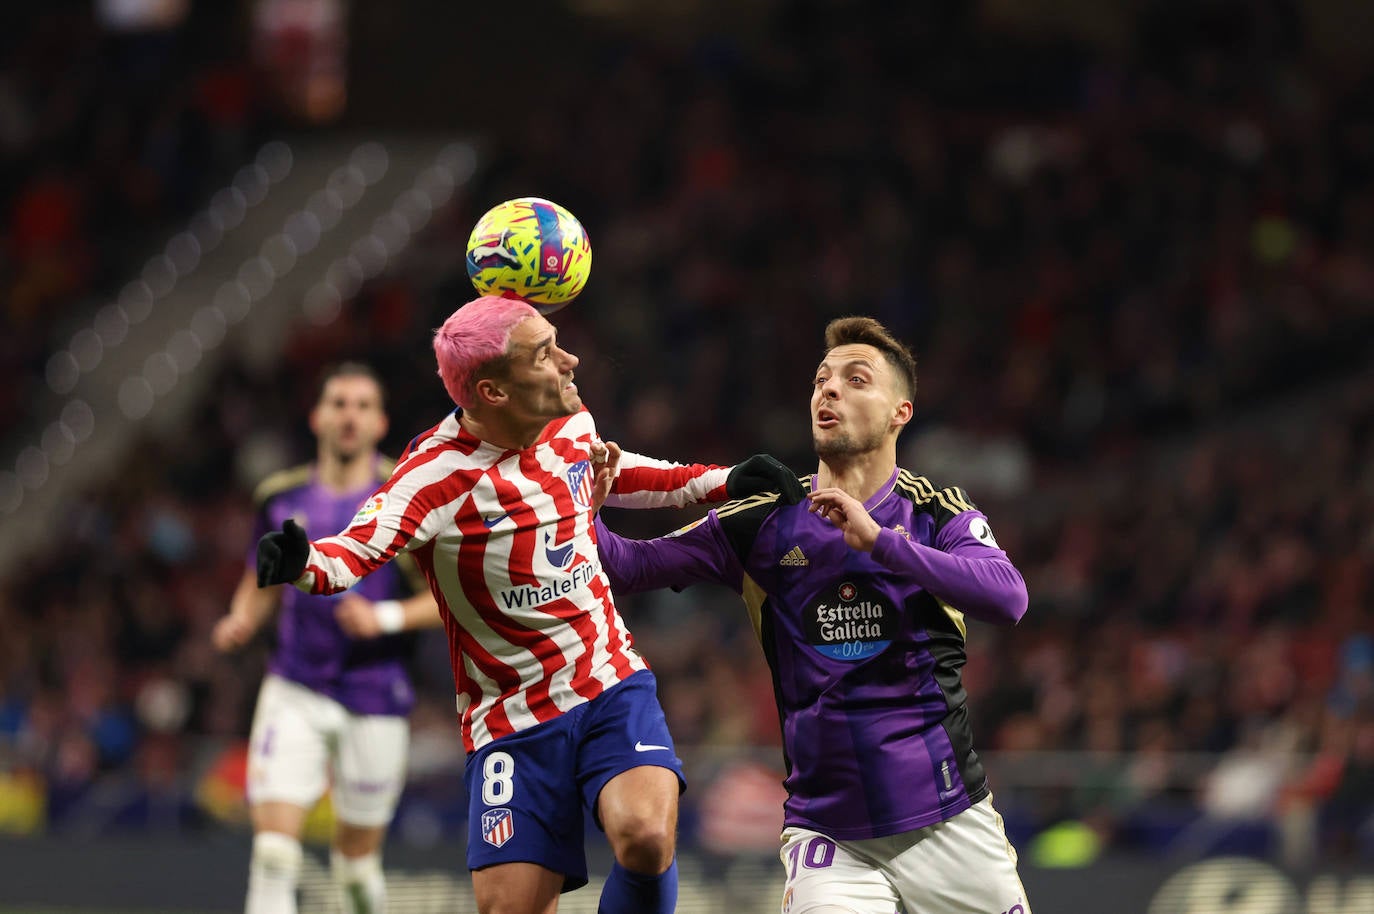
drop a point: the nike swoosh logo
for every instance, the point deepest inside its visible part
(490, 522)
(642, 747)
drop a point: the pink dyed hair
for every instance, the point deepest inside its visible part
(474, 337)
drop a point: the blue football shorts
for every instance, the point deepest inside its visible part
(529, 794)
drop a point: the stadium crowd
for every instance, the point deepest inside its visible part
(106, 137)
(1141, 293)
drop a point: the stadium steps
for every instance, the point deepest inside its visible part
(293, 237)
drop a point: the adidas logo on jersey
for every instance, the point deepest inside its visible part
(794, 557)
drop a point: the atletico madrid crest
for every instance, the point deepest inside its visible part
(498, 826)
(580, 482)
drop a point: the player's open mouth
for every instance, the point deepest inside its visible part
(826, 419)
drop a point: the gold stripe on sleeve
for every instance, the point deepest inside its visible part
(282, 480)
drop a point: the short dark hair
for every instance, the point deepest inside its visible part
(349, 370)
(843, 331)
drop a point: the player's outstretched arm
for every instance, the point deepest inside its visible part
(645, 482)
(360, 617)
(409, 509)
(697, 553)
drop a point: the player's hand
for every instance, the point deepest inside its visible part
(764, 473)
(282, 555)
(848, 513)
(605, 465)
(231, 633)
(356, 617)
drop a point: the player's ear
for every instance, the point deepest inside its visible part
(488, 391)
(903, 413)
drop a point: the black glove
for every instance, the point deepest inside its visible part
(281, 556)
(763, 473)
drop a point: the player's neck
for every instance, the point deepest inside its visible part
(346, 474)
(860, 475)
(498, 430)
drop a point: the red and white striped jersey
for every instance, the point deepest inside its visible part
(506, 541)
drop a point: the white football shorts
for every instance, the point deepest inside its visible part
(964, 865)
(303, 743)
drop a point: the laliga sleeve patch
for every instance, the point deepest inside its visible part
(982, 532)
(370, 509)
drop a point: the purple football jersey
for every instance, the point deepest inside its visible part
(367, 676)
(865, 655)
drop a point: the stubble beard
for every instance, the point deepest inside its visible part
(845, 445)
(559, 408)
(571, 402)
(566, 408)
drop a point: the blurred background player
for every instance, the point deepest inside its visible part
(332, 710)
(859, 596)
(560, 714)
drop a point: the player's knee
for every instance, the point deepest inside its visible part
(644, 844)
(277, 855)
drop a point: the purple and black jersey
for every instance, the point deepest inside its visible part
(865, 648)
(367, 676)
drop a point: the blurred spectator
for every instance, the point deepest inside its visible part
(301, 45)
(1349, 811)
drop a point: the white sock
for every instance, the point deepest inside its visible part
(362, 888)
(272, 874)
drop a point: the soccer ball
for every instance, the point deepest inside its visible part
(532, 249)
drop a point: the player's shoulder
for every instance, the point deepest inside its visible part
(742, 518)
(445, 439)
(942, 501)
(283, 481)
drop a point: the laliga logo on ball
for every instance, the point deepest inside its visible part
(529, 248)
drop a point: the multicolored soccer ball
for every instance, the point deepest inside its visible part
(530, 248)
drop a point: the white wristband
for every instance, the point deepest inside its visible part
(391, 616)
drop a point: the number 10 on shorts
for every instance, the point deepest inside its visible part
(816, 854)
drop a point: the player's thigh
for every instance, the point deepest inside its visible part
(965, 865)
(625, 738)
(370, 768)
(516, 888)
(645, 794)
(288, 746)
(827, 877)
